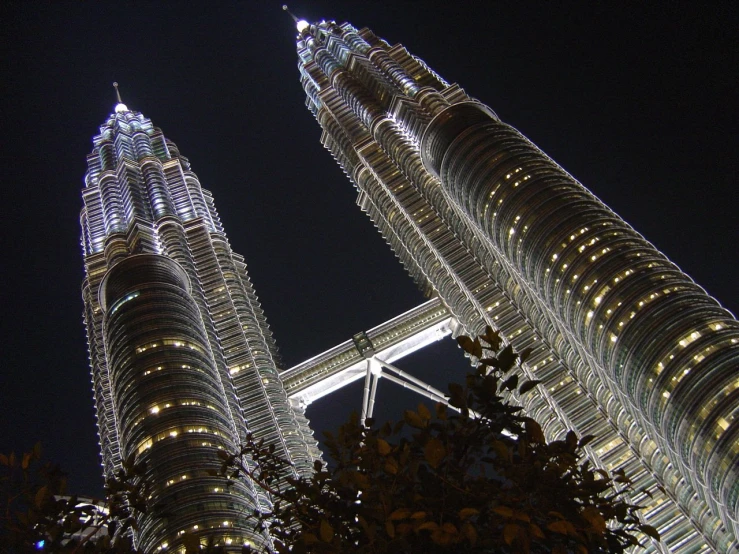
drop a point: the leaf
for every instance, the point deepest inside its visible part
(434, 451)
(559, 526)
(507, 358)
(472, 347)
(488, 387)
(470, 532)
(418, 515)
(423, 411)
(501, 450)
(524, 354)
(457, 398)
(536, 531)
(441, 537)
(465, 513)
(26, 460)
(593, 516)
(428, 526)
(400, 513)
(359, 479)
(649, 530)
(527, 386)
(510, 532)
(391, 466)
(504, 511)
(510, 383)
(41, 495)
(403, 528)
(465, 343)
(390, 529)
(383, 447)
(413, 419)
(326, 531)
(585, 440)
(521, 516)
(492, 338)
(4, 460)
(441, 411)
(309, 538)
(533, 430)
(112, 526)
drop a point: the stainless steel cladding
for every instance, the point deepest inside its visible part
(627, 346)
(183, 362)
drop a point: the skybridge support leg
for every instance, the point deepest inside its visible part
(403, 375)
(365, 398)
(373, 392)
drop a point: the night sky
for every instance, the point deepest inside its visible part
(637, 102)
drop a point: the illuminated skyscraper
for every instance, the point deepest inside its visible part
(183, 363)
(627, 347)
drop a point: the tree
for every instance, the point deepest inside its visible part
(38, 516)
(483, 480)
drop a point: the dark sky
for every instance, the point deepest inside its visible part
(637, 102)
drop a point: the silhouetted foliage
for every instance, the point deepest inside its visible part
(38, 517)
(481, 480)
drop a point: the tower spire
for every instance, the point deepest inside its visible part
(117, 93)
(301, 24)
(120, 106)
(295, 19)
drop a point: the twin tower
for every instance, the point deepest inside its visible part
(627, 347)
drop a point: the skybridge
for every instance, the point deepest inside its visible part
(370, 356)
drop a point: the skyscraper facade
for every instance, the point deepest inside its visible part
(627, 347)
(183, 362)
